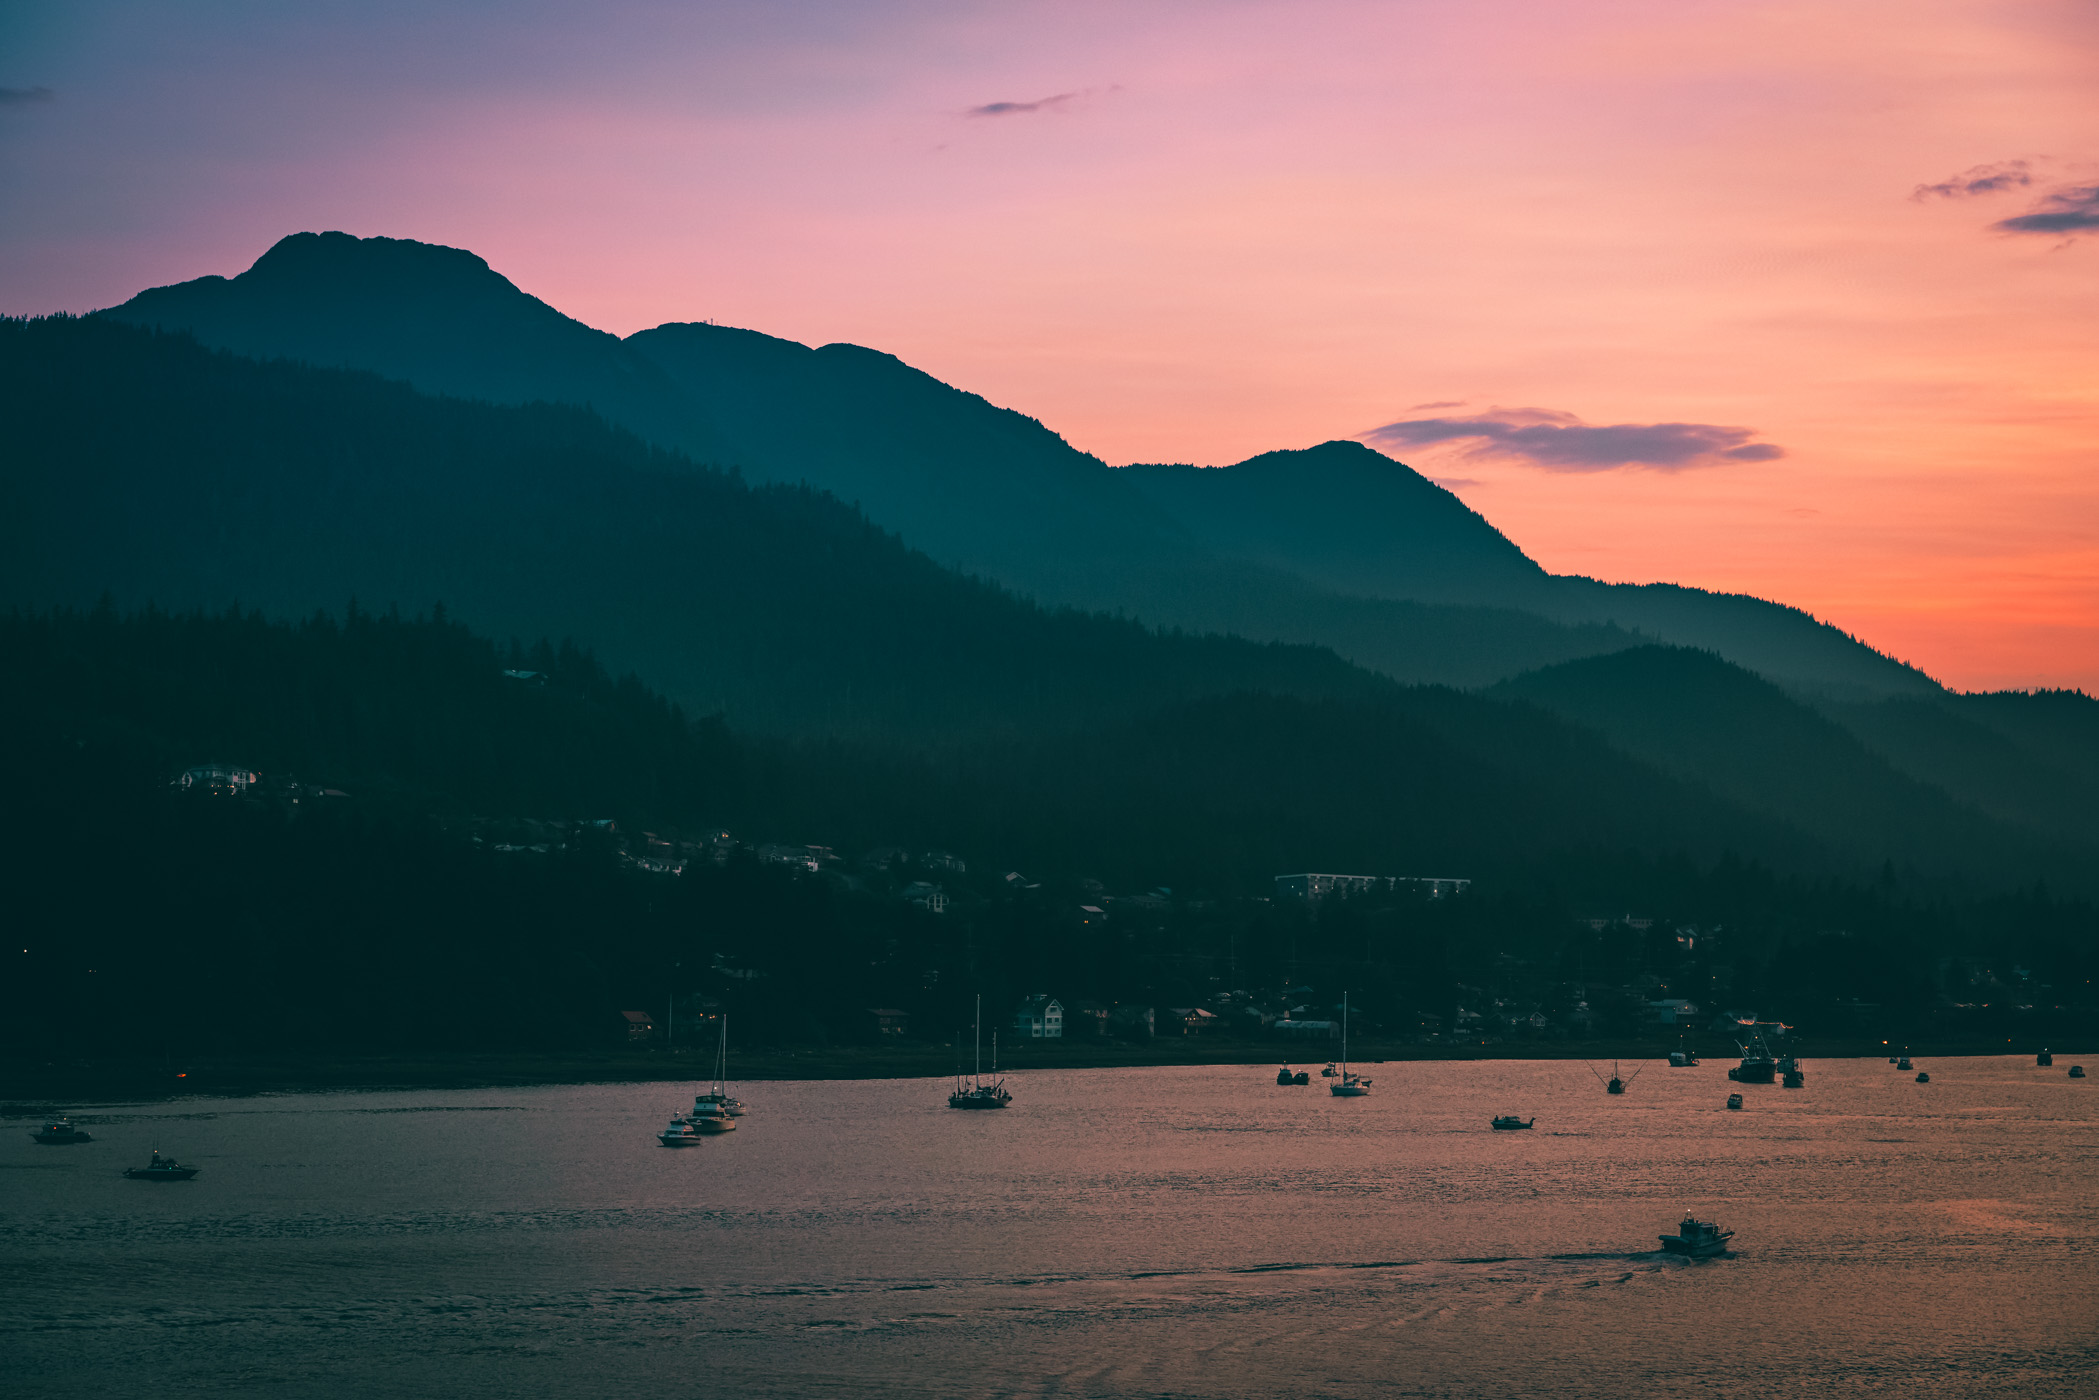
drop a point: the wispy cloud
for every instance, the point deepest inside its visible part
(11, 97)
(2072, 211)
(1561, 442)
(1454, 483)
(1978, 180)
(1010, 109)
(1439, 403)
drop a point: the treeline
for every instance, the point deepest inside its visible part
(375, 920)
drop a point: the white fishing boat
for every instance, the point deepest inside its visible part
(1347, 1086)
(679, 1134)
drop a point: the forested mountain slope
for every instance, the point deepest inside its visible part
(146, 467)
(1697, 716)
(1289, 546)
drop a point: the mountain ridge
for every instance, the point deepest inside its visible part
(978, 487)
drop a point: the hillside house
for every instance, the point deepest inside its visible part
(1088, 1018)
(1674, 1011)
(1313, 888)
(217, 780)
(640, 1026)
(1193, 1020)
(928, 897)
(888, 1022)
(1040, 1017)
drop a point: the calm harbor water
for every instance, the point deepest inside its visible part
(1157, 1232)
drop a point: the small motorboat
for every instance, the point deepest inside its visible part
(1682, 1059)
(1329, 1072)
(1904, 1063)
(1284, 1076)
(2077, 1071)
(161, 1169)
(1508, 1122)
(1302, 1078)
(1697, 1239)
(59, 1132)
(1734, 1100)
(1923, 1078)
(2044, 1059)
(679, 1134)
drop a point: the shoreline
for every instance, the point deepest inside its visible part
(33, 1084)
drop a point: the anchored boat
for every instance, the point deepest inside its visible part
(980, 1094)
(59, 1132)
(1509, 1122)
(1758, 1064)
(1734, 1100)
(711, 1111)
(1348, 1086)
(679, 1134)
(1698, 1239)
(161, 1169)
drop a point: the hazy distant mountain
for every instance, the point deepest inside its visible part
(1301, 546)
(1706, 720)
(1355, 521)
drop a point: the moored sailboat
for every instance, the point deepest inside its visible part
(981, 1094)
(1348, 1085)
(711, 1111)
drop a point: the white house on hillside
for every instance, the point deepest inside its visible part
(1040, 1017)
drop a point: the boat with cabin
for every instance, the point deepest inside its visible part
(981, 1093)
(711, 1112)
(1697, 1239)
(1759, 1065)
(2044, 1059)
(2077, 1071)
(680, 1133)
(1734, 1100)
(1682, 1059)
(1348, 1086)
(161, 1169)
(1791, 1074)
(60, 1132)
(1904, 1063)
(1285, 1076)
(1509, 1122)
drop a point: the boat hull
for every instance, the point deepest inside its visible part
(161, 1173)
(1753, 1072)
(1693, 1249)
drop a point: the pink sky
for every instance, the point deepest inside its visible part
(1243, 226)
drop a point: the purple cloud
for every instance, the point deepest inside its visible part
(1007, 109)
(1980, 179)
(2072, 211)
(1560, 442)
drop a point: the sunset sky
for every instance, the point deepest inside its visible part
(1797, 300)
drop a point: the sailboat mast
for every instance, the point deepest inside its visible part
(1344, 1037)
(976, 1075)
